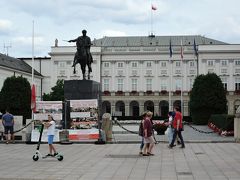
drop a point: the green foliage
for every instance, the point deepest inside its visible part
(223, 121)
(57, 93)
(207, 97)
(16, 96)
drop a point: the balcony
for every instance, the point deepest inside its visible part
(106, 93)
(148, 93)
(119, 93)
(134, 93)
(163, 92)
(177, 92)
(237, 92)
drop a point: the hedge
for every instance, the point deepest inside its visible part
(223, 121)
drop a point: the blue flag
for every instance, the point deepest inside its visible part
(170, 49)
(195, 48)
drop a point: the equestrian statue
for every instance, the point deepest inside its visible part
(83, 55)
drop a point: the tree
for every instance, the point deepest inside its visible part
(16, 96)
(207, 97)
(57, 93)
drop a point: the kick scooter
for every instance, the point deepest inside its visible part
(38, 154)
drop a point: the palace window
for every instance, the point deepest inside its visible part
(134, 84)
(224, 62)
(237, 62)
(105, 84)
(149, 64)
(120, 84)
(163, 85)
(106, 64)
(149, 84)
(192, 64)
(178, 84)
(134, 64)
(120, 64)
(224, 81)
(163, 64)
(178, 64)
(62, 64)
(237, 83)
(210, 62)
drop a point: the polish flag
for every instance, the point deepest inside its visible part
(181, 51)
(154, 7)
(33, 98)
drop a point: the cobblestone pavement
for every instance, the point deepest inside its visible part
(206, 157)
(198, 161)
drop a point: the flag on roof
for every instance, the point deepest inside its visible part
(154, 7)
(181, 51)
(170, 49)
(195, 48)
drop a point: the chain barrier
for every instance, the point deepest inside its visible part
(184, 122)
(201, 131)
(119, 124)
(21, 128)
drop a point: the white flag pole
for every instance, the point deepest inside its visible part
(33, 52)
(32, 63)
(170, 85)
(182, 78)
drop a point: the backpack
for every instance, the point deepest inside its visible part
(140, 132)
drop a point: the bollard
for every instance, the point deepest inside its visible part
(107, 126)
(237, 125)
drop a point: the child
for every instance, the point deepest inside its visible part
(50, 125)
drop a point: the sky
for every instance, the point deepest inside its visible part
(65, 19)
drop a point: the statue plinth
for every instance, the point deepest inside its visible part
(81, 89)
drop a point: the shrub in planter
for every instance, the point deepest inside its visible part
(160, 128)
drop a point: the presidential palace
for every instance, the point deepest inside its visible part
(139, 73)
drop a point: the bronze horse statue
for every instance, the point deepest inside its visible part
(84, 59)
(83, 55)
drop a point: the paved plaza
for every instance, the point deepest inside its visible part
(206, 157)
(200, 161)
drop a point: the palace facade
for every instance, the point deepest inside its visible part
(137, 72)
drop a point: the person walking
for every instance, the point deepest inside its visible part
(170, 129)
(8, 123)
(50, 125)
(141, 133)
(148, 135)
(177, 126)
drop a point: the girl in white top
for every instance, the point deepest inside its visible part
(50, 125)
(170, 130)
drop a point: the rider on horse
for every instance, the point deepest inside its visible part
(83, 44)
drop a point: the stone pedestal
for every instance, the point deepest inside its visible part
(81, 89)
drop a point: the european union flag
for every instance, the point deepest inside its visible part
(195, 48)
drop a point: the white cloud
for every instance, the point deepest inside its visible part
(65, 19)
(5, 26)
(110, 32)
(28, 40)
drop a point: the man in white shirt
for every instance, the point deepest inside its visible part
(50, 125)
